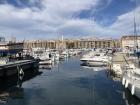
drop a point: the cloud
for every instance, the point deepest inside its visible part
(125, 23)
(55, 13)
(57, 17)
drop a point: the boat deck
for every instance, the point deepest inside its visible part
(17, 63)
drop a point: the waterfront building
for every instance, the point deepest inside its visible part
(96, 43)
(72, 44)
(47, 44)
(130, 41)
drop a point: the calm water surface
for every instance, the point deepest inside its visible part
(67, 83)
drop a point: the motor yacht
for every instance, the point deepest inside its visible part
(96, 59)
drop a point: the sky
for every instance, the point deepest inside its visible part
(50, 19)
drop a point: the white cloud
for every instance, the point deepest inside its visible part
(55, 13)
(125, 23)
(58, 17)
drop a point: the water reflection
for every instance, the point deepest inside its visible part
(93, 68)
(44, 67)
(129, 99)
(126, 94)
(49, 66)
(11, 87)
(112, 75)
(72, 85)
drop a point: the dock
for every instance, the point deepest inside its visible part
(120, 58)
(118, 61)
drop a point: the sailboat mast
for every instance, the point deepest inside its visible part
(135, 29)
(135, 35)
(62, 42)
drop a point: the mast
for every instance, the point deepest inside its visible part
(135, 35)
(62, 42)
(135, 29)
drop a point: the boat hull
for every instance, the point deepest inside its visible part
(42, 62)
(96, 63)
(132, 85)
(15, 67)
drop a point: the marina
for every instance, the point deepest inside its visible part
(70, 76)
(67, 83)
(69, 52)
(102, 76)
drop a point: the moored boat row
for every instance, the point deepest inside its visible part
(50, 56)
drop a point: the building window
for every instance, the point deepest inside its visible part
(99, 44)
(108, 44)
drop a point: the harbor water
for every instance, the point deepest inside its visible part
(66, 83)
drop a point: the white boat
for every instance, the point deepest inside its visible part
(43, 55)
(46, 61)
(87, 57)
(117, 69)
(45, 58)
(96, 63)
(56, 56)
(131, 79)
(98, 59)
(65, 54)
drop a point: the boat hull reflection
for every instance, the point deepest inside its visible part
(126, 94)
(48, 67)
(11, 87)
(129, 99)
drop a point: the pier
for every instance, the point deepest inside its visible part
(119, 59)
